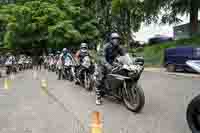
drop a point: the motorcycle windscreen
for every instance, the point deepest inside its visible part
(194, 64)
(126, 59)
(68, 61)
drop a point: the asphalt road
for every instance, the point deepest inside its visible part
(25, 108)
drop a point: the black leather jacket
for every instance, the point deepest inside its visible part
(111, 52)
(83, 53)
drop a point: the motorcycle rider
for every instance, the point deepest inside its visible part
(64, 55)
(51, 60)
(10, 61)
(80, 54)
(57, 55)
(110, 51)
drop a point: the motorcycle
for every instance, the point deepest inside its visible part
(21, 64)
(45, 62)
(10, 65)
(66, 70)
(85, 73)
(193, 109)
(52, 65)
(69, 68)
(122, 82)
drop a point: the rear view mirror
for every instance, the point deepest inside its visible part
(98, 47)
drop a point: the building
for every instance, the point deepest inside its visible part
(183, 31)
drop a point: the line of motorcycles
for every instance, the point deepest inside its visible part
(14, 65)
(120, 82)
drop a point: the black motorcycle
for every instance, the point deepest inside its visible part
(85, 72)
(122, 83)
(193, 109)
(193, 115)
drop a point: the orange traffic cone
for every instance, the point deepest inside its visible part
(96, 126)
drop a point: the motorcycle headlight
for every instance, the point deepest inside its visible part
(86, 64)
(126, 67)
(131, 74)
(134, 70)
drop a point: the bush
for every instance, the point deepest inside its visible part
(154, 55)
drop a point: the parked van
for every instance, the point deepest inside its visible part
(175, 58)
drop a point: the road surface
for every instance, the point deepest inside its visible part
(25, 108)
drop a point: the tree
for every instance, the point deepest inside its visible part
(170, 9)
(129, 15)
(122, 16)
(46, 23)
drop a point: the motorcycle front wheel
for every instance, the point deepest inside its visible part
(8, 71)
(193, 115)
(87, 81)
(133, 98)
(59, 74)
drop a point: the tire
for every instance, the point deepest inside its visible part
(20, 68)
(171, 68)
(8, 71)
(71, 78)
(193, 115)
(87, 81)
(14, 70)
(140, 98)
(59, 74)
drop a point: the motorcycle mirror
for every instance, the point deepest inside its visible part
(98, 47)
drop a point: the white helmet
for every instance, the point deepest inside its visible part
(64, 49)
(115, 36)
(84, 45)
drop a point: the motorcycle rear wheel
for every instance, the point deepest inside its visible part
(59, 74)
(136, 95)
(193, 115)
(87, 81)
(8, 70)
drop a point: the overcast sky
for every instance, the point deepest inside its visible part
(148, 31)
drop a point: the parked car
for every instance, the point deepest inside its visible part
(159, 39)
(175, 58)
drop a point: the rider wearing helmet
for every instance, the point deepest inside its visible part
(10, 59)
(111, 50)
(57, 55)
(82, 52)
(64, 55)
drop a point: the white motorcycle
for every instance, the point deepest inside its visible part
(10, 65)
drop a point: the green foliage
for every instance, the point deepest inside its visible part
(123, 16)
(46, 23)
(168, 9)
